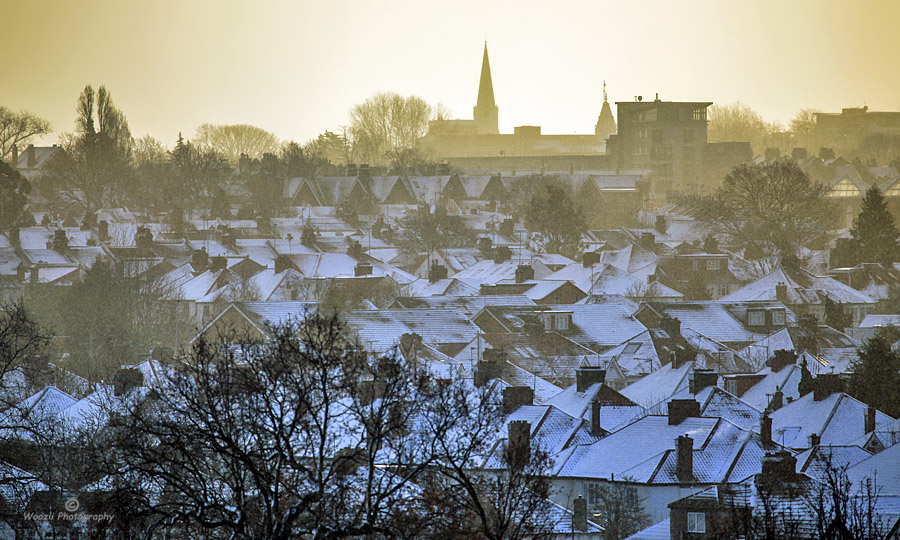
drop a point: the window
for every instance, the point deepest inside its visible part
(695, 265)
(712, 264)
(631, 348)
(731, 386)
(844, 188)
(756, 318)
(696, 522)
(778, 317)
(592, 494)
(699, 114)
(562, 322)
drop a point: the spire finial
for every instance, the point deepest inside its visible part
(604, 91)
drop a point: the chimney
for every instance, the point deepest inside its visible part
(781, 293)
(579, 514)
(282, 263)
(814, 440)
(765, 429)
(781, 359)
(363, 269)
(15, 157)
(779, 467)
(596, 408)
(484, 244)
(436, 272)
(524, 272)
(702, 378)
(826, 384)
(870, 419)
(103, 230)
(777, 401)
(648, 241)
(30, 159)
(684, 458)
(671, 326)
(489, 366)
(585, 376)
(516, 396)
(502, 254)
(218, 263)
(518, 448)
(679, 409)
(590, 258)
(507, 227)
(200, 260)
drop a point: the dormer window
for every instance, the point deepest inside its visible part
(778, 317)
(756, 318)
(712, 264)
(556, 320)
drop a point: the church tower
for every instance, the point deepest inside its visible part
(606, 124)
(485, 111)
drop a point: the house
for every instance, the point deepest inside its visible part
(800, 290)
(664, 457)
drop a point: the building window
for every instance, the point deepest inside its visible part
(756, 318)
(592, 494)
(695, 265)
(562, 322)
(712, 264)
(696, 522)
(778, 317)
(731, 386)
(699, 114)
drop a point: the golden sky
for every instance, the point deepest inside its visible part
(296, 68)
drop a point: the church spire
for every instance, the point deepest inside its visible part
(606, 124)
(485, 111)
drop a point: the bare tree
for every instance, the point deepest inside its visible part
(387, 122)
(236, 140)
(19, 128)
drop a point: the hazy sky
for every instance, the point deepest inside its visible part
(296, 68)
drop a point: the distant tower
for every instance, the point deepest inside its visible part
(485, 111)
(606, 124)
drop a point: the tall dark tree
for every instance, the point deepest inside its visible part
(553, 213)
(14, 189)
(874, 232)
(424, 230)
(98, 172)
(772, 208)
(876, 376)
(836, 316)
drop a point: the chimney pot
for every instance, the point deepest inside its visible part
(515, 397)
(765, 430)
(585, 376)
(596, 409)
(684, 458)
(679, 409)
(579, 514)
(518, 446)
(870, 419)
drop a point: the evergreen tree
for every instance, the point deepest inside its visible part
(876, 375)
(835, 315)
(874, 231)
